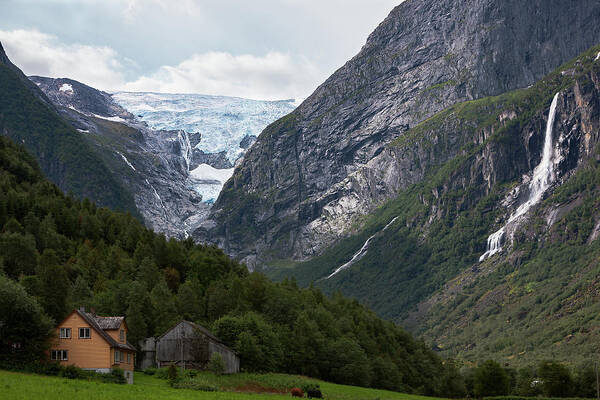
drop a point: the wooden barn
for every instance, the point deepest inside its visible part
(189, 345)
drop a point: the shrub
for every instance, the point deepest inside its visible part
(71, 372)
(47, 368)
(149, 371)
(172, 374)
(162, 373)
(297, 392)
(116, 375)
(195, 385)
(216, 365)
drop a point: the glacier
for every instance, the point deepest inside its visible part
(223, 124)
(221, 121)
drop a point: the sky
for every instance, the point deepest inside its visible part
(258, 49)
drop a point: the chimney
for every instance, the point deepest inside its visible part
(82, 308)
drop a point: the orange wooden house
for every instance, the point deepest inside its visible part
(94, 343)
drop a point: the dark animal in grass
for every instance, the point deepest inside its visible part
(314, 394)
(297, 392)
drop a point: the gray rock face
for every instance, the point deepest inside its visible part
(69, 93)
(311, 174)
(151, 164)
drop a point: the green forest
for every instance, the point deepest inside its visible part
(59, 253)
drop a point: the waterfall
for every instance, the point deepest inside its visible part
(360, 253)
(162, 204)
(543, 176)
(186, 148)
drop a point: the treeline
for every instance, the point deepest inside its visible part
(58, 253)
(548, 379)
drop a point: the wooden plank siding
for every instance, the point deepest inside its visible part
(84, 353)
(93, 353)
(116, 333)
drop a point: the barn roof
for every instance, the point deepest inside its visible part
(196, 326)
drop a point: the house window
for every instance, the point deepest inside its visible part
(122, 335)
(59, 355)
(117, 356)
(65, 333)
(128, 358)
(84, 333)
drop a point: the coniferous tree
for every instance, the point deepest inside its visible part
(54, 286)
(164, 310)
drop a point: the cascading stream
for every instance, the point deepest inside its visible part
(543, 176)
(186, 148)
(360, 253)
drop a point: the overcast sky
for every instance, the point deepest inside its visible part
(260, 49)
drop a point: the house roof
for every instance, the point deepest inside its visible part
(109, 323)
(97, 322)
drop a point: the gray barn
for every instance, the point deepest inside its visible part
(190, 345)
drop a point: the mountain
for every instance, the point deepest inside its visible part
(308, 180)
(59, 253)
(172, 152)
(446, 177)
(27, 116)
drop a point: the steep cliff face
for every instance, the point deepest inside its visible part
(29, 118)
(417, 258)
(173, 155)
(150, 163)
(310, 176)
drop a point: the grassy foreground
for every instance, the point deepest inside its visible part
(19, 386)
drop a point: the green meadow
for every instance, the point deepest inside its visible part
(20, 386)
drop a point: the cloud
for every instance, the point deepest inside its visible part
(38, 53)
(272, 76)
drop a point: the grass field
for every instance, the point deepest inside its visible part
(18, 386)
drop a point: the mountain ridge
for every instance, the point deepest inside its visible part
(306, 180)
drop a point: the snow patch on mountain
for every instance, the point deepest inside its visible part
(65, 88)
(208, 181)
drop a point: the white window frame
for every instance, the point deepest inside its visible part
(117, 357)
(65, 333)
(59, 355)
(89, 333)
(122, 335)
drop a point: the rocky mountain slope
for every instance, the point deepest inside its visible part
(495, 249)
(309, 177)
(28, 117)
(173, 169)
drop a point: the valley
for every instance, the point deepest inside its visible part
(425, 223)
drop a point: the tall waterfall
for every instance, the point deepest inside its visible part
(543, 176)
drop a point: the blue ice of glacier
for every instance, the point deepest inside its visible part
(222, 121)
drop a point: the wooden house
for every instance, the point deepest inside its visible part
(94, 343)
(191, 346)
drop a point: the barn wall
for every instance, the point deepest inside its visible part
(147, 353)
(232, 361)
(195, 347)
(183, 340)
